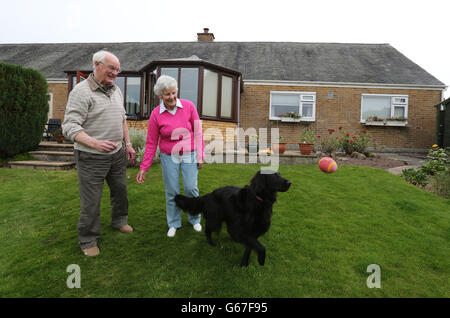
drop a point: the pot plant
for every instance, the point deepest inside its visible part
(396, 121)
(58, 135)
(253, 146)
(279, 147)
(306, 142)
(290, 117)
(375, 121)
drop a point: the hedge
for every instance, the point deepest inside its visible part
(23, 109)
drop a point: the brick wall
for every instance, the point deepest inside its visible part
(344, 109)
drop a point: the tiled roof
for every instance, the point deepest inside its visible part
(271, 61)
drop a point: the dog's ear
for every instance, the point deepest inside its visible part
(258, 183)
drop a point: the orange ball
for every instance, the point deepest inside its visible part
(327, 165)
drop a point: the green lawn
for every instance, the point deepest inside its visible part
(325, 231)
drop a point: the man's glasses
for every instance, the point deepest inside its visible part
(112, 68)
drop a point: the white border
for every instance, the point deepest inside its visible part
(392, 103)
(344, 84)
(314, 101)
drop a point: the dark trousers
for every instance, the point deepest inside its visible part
(93, 170)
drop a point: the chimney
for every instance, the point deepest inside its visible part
(205, 36)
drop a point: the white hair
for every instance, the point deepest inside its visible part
(164, 82)
(99, 57)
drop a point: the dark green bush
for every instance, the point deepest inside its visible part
(23, 109)
(417, 177)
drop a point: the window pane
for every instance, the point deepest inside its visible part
(399, 100)
(308, 97)
(285, 99)
(210, 84)
(399, 111)
(379, 106)
(307, 110)
(278, 110)
(171, 71)
(189, 84)
(120, 82)
(284, 103)
(133, 95)
(227, 93)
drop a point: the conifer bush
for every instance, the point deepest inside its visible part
(23, 109)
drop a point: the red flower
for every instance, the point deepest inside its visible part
(318, 136)
(347, 134)
(364, 131)
(354, 137)
(340, 127)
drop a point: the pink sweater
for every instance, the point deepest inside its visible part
(182, 131)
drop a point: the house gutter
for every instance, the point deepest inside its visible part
(345, 84)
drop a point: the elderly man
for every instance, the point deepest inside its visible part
(95, 120)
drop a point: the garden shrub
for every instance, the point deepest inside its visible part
(346, 142)
(433, 174)
(437, 161)
(138, 138)
(329, 144)
(356, 143)
(416, 177)
(440, 184)
(23, 109)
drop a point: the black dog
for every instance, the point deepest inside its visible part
(246, 211)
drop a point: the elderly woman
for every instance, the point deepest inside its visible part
(176, 126)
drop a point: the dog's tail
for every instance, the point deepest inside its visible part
(193, 206)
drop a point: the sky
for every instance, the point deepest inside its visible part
(418, 29)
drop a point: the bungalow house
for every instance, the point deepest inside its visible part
(251, 84)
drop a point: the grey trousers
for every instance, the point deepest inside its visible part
(93, 170)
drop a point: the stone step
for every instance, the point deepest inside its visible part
(42, 165)
(46, 155)
(54, 146)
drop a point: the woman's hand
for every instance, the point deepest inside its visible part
(140, 178)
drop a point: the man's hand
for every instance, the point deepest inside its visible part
(105, 145)
(100, 145)
(131, 154)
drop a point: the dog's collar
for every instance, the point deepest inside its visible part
(260, 199)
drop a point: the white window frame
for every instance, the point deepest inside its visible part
(302, 101)
(50, 106)
(401, 103)
(394, 103)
